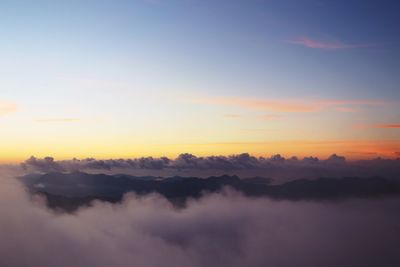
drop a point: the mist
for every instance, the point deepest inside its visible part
(221, 229)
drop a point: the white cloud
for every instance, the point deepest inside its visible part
(218, 230)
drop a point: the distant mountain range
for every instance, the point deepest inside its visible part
(69, 191)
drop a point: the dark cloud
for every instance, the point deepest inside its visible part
(224, 229)
(335, 159)
(243, 164)
(241, 161)
(46, 164)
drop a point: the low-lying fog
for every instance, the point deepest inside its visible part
(222, 229)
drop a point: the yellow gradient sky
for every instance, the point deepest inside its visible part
(159, 78)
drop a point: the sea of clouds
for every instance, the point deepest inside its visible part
(224, 229)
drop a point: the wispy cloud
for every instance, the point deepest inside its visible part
(362, 152)
(382, 126)
(269, 117)
(397, 125)
(7, 107)
(265, 117)
(232, 116)
(289, 105)
(57, 120)
(325, 45)
(346, 109)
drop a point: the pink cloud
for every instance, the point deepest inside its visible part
(325, 45)
(345, 109)
(381, 126)
(7, 107)
(396, 126)
(294, 106)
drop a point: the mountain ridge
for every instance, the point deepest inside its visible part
(83, 188)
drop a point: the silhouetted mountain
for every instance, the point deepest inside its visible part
(258, 180)
(68, 191)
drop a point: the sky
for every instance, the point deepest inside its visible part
(111, 79)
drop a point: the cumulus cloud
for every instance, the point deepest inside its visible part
(46, 164)
(244, 165)
(225, 229)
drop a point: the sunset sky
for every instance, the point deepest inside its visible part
(111, 79)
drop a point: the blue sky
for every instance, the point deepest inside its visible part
(129, 70)
(225, 44)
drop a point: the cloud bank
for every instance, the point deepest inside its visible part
(218, 230)
(243, 165)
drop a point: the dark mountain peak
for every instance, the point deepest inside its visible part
(82, 187)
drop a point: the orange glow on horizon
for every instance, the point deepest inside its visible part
(351, 149)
